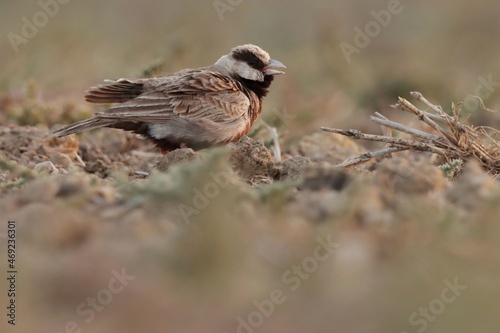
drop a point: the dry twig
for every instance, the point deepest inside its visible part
(448, 137)
(276, 147)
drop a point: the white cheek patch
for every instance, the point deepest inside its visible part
(242, 69)
(247, 72)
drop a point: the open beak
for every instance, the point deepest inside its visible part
(273, 63)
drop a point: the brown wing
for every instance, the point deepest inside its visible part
(118, 91)
(200, 94)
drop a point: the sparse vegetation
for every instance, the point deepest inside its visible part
(450, 139)
(233, 239)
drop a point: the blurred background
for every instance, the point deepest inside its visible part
(438, 48)
(214, 274)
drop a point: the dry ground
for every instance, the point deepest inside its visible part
(227, 240)
(209, 239)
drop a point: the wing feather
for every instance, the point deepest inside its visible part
(199, 95)
(118, 91)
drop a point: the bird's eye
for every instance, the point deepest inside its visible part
(252, 63)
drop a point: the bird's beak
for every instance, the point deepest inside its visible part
(273, 63)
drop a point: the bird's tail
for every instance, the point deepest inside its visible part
(84, 125)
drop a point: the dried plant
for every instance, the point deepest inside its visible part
(447, 136)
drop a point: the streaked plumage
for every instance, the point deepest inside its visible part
(197, 108)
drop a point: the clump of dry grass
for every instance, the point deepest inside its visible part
(448, 137)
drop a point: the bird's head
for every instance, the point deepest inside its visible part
(249, 62)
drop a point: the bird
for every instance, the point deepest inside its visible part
(193, 108)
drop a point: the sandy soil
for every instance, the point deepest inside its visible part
(225, 238)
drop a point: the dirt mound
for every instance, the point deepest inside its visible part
(190, 228)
